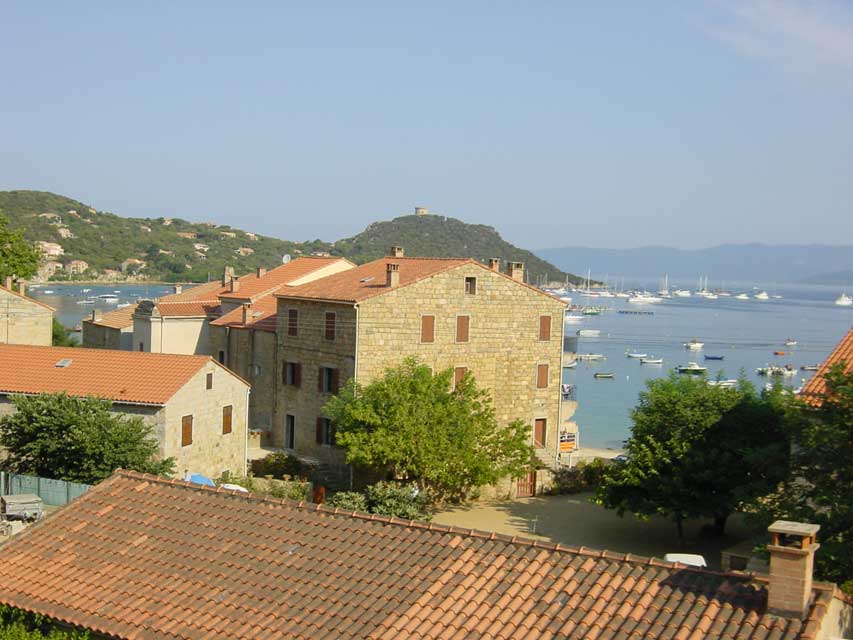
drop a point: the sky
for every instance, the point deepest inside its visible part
(607, 124)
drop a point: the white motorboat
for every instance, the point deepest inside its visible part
(790, 342)
(693, 345)
(589, 333)
(123, 305)
(572, 318)
(741, 296)
(47, 291)
(776, 370)
(108, 296)
(592, 357)
(651, 360)
(762, 295)
(725, 384)
(682, 293)
(844, 300)
(644, 298)
(89, 301)
(691, 368)
(637, 355)
(710, 296)
(86, 290)
(571, 364)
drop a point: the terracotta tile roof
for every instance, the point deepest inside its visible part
(143, 557)
(206, 291)
(27, 298)
(118, 319)
(121, 376)
(816, 386)
(188, 308)
(263, 316)
(276, 278)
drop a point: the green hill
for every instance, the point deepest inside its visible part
(178, 250)
(434, 235)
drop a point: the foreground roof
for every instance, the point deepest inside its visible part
(816, 386)
(143, 557)
(27, 298)
(120, 376)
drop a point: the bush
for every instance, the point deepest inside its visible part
(385, 499)
(16, 624)
(279, 464)
(281, 489)
(349, 500)
(586, 476)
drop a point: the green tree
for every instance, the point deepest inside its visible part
(18, 257)
(410, 425)
(77, 439)
(62, 337)
(698, 450)
(386, 499)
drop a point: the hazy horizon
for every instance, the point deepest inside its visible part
(689, 126)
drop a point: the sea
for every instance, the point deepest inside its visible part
(745, 332)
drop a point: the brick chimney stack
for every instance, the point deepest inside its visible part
(495, 264)
(235, 285)
(247, 312)
(515, 270)
(392, 275)
(261, 272)
(96, 315)
(396, 252)
(22, 287)
(227, 275)
(177, 288)
(8, 284)
(792, 550)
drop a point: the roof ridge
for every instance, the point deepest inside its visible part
(630, 558)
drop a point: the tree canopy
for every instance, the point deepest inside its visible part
(412, 425)
(77, 439)
(18, 257)
(698, 450)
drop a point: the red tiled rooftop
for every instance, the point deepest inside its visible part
(188, 308)
(262, 316)
(27, 298)
(117, 319)
(276, 278)
(142, 557)
(120, 376)
(816, 386)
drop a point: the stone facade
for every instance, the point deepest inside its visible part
(24, 321)
(97, 336)
(155, 333)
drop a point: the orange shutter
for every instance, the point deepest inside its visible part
(458, 374)
(186, 431)
(541, 376)
(544, 327)
(427, 328)
(462, 324)
(226, 419)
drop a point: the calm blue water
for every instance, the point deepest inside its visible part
(746, 332)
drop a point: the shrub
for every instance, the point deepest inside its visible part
(349, 500)
(386, 499)
(583, 477)
(279, 464)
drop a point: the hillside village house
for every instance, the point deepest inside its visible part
(50, 250)
(142, 557)
(77, 267)
(22, 319)
(198, 409)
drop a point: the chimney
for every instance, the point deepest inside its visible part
(9, 282)
(177, 289)
(22, 287)
(392, 274)
(261, 272)
(247, 312)
(792, 549)
(235, 285)
(227, 275)
(515, 270)
(96, 315)
(396, 252)
(495, 264)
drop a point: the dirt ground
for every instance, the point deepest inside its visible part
(574, 520)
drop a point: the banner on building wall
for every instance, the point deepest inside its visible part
(568, 441)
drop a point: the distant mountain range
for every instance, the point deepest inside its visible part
(759, 263)
(174, 249)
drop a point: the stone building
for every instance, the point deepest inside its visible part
(22, 319)
(77, 267)
(198, 409)
(449, 313)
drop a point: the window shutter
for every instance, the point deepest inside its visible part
(209, 381)
(462, 324)
(292, 322)
(319, 378)
(297, 374)
(319, 430)
(283, 373)
(458, 374)
(186, 431)
(542, 376)
(427, 328)
(336, 380)
(544, 327)
(330, 325)
(226, 419)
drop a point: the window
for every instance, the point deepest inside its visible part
(328, 380)
(289, 432)
(325, 431)
(292, 322)
(544, 327)
(186, 431)
(330, 325)
(471, 286)
(427, 328)
(210, 381)
(542, 376)
(291, 374)
(462, 325)
(221, 357)
(226, 419)
(540, 427)
(458, 374)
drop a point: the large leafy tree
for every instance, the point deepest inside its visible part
(698, 450)
(411, 425)
(77, 439)
(18, 257)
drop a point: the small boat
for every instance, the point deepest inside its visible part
(591, 312)
(775, 370)
(570, 365)
(122, 305)
(651, 360)
(108, 296)
(602, 375)
(682, 293)
(707, 357)
(790, 342)
(691, 368)
(778, 353)
(622, 294)
(86, 290)
(78, 327)
(693, 345)
(637, 355)
(88, 301)
(592, 357)
(48, 291)
(810, 367)
(741, 296)
(572, 318)
(776, 296)
(762, 295)
(725, 384)
(589, 333)
(645, 298)
(844, 300)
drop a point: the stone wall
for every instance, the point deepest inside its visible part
(157, 334)
(211, 452)
(23, 321)
(97, 336)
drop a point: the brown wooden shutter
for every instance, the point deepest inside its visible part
(210, 381)
(292, 322)
(427, 328)
(330, 325)
(458, 374)
(283, 373)
(540, 429)
(319, 378)
(462, 324)
(186, 431)
(544, 327)
(542, 376)
(319, 430)
(336, 380)
(297, 374)
(226, 419)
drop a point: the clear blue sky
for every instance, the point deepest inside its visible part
(610, 124)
